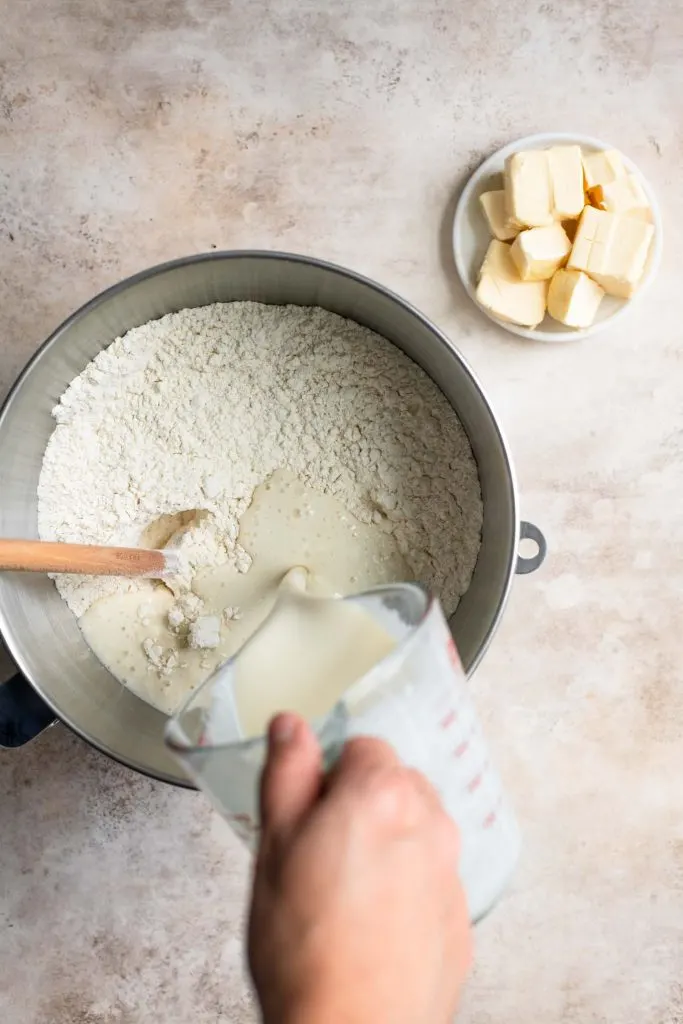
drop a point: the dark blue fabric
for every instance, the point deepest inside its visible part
(22, 713)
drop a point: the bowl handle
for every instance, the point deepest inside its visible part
(23, 714)
(527, 531)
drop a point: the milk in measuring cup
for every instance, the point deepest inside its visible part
(304, 658)
(382, 664)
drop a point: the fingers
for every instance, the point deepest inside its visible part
(368, 780)
(362, 757)
(291, 779)
(370, 774)
(363, 765)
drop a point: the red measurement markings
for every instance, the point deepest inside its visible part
(448, 719)
(475, 783)
(492, 816)
(461, 748)
(453, 654)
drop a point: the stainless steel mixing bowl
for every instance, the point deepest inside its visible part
(38, 628)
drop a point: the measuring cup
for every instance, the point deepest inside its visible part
(416, 698)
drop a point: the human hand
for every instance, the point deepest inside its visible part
(357, 915)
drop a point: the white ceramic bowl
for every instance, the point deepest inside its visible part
(471, 237)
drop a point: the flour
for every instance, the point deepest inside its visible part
(204, 632)
(193, 411)
(164, 661)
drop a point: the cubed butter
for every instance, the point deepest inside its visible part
(566, 180)
(612, 249)
(573, 298)
(539, 252)
(603, 167)
(625, 195)
(528, 195)
(503, 293)
(493, 205)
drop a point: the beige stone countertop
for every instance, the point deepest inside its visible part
(138, 131)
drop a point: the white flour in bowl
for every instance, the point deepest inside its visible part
(195, 410)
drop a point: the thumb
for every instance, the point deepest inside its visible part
(292, 776)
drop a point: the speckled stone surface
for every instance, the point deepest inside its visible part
(134, 132)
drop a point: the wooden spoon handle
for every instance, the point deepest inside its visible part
(82, 559)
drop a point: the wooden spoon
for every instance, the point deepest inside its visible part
(86, 559)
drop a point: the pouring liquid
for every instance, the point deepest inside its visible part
(306, 655)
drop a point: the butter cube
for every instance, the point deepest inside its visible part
(603, 168)
(573, 298)
(503, 293)
(625, 195)
(493, 205)
(612, 249)
(528, 193)
(566, 179)
(539, 252)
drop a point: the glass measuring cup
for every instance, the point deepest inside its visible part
(416, 698)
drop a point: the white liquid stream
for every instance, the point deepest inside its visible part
(306, 656)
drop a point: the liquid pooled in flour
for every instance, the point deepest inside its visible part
(162, 646)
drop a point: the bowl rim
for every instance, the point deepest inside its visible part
(490, 166)
(6, 630)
